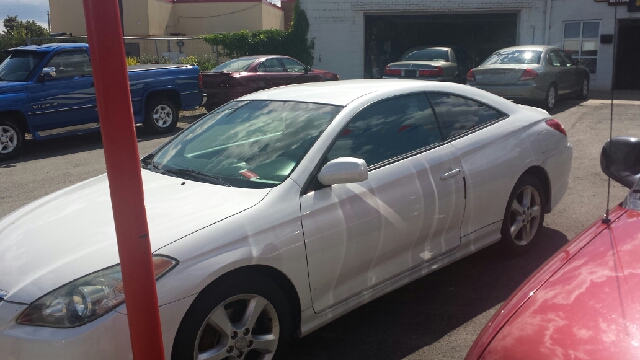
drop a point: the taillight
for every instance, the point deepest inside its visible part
(200, 80)
(471, 76)
(437, 71)
(556, 125)
(389, 71)
(528, 74)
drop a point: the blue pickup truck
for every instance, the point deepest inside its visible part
(48, 91)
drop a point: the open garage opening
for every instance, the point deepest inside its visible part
(627, 72)
(388, 37)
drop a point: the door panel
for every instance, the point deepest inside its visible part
(407, 212)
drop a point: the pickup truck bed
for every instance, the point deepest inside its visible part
(48, 91)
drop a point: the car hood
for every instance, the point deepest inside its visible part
(8, 87)
(588, 308)
(71, 233)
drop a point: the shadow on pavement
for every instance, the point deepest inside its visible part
(417, 315)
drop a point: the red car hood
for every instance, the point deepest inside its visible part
(584, 303)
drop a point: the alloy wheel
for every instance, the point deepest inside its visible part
(585, 88)
(8, 139)
(525, 215)
(242, 327)
(162, 115)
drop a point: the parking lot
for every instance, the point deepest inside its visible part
(436, 317)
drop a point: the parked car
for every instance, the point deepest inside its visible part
(583, 302)
(47, 91)
(242, 76)
(390, 180)
(431, 63)
(540, 74)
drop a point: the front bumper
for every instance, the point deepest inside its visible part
(106, 338)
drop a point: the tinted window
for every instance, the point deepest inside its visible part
(514, 57)
(292, 65)
(70, 64)
(557, 59)
(236, 65)
(388, 129)
(458, 115)
(428, 55)
(270, 65)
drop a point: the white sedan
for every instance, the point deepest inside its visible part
(281, 211)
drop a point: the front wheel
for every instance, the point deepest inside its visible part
(161, 115)
(11, 139)
(524, 215)
(584, 90)
(549, 101)
(240, 317)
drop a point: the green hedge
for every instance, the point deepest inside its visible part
(292, 43)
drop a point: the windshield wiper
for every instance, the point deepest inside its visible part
(195, 176)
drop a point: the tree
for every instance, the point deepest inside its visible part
(14, 28)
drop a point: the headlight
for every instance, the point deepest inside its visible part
(85, 299)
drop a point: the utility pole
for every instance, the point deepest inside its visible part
(48, 21)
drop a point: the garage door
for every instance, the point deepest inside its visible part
(387, 37)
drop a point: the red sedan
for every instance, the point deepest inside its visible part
(584, 303)
(242, 76)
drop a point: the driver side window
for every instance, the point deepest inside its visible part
(70, 64)
(387, 130)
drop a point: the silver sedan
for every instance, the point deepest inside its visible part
(540, 74)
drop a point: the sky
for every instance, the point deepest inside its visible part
(26, 10)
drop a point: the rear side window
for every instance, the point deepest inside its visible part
(388, 129)
(270, 65)
(292, 65)
(458, 115)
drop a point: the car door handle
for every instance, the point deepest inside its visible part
(450, 174)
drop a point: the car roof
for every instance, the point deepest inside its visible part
(51, 46)
(530, 47)
(343, 92)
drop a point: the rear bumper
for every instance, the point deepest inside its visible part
(523, 90)
(219, 97)
(558, 167)
(424, 78)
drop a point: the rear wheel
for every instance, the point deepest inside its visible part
(240, 317)
(11, 139)
(161, 115)
(549, 101)
(524, 215)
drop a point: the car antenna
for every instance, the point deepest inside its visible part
(606, 219)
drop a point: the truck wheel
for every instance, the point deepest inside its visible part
(161, 115)
(11, 139)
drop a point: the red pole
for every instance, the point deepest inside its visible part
(125, 179)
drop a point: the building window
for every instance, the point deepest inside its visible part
(581, 41)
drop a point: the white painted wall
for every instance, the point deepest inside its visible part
(338, 26)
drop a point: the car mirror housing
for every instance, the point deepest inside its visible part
(47, 74)
(620, 160)
(343, 170)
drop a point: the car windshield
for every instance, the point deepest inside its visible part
(428, 55)
(236, 65)
(250, 144)
(514, 57)
(19, 65)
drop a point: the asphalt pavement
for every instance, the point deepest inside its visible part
(435, 317)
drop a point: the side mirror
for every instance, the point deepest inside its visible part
(47, 73)
(620, 160)
(343, 170)
(307, 69)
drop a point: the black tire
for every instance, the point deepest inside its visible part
(161, 115)
(531, 217)
(234, 293)
(583, 93)
(11, 139)
(549, 102)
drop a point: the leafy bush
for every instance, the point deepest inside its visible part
(16, 33)
(292, 43)
(204, 62)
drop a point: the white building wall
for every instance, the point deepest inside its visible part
(566, 10)
(338, 26)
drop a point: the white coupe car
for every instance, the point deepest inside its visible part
(281, 211)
